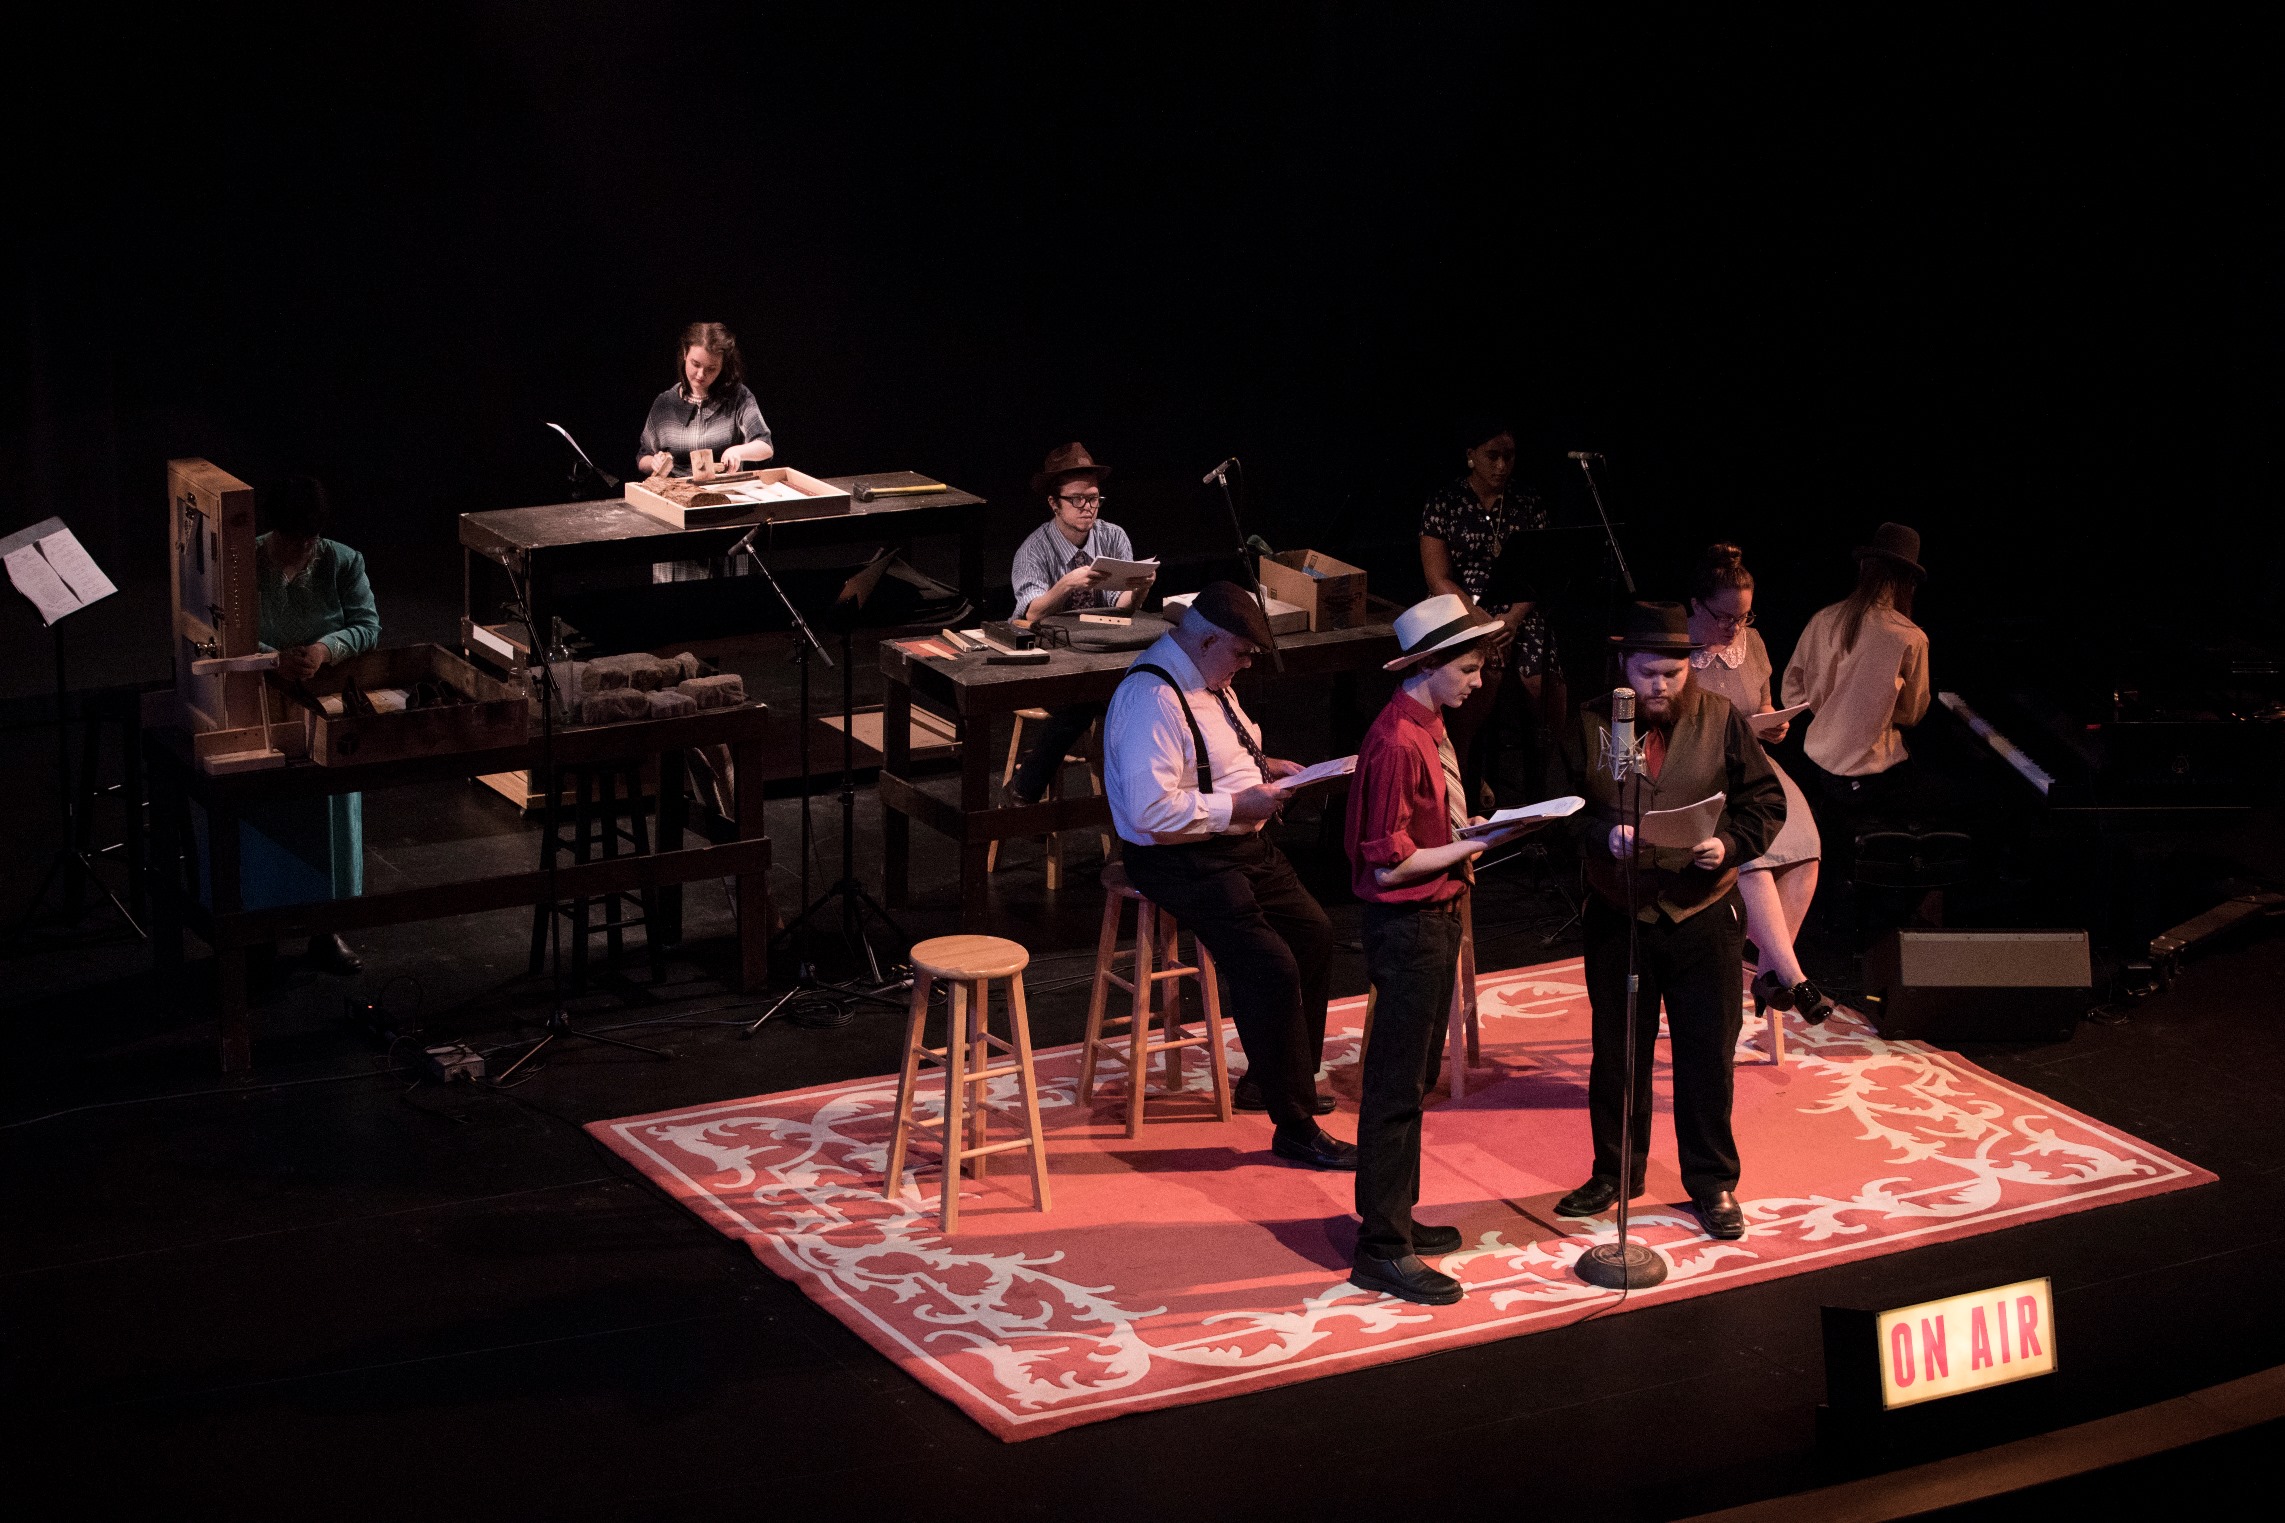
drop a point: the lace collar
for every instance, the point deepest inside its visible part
(1731, 655)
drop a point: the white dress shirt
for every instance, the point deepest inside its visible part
(1149, 767)
(1860, 697)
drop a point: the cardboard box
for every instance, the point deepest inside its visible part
(1284, 617)
(688, 504)
(496, 713)
(1332, 591)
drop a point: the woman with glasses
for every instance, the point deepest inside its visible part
(1777, 885)
(1055, 572)
(1464, 529)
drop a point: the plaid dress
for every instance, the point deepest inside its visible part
(1474, 536)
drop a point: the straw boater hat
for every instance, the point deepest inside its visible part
(1227, 606)
(1896, 542)
(1660, 628)
(1437, 624)
(1064, 462)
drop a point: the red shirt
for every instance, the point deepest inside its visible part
(1396, 804)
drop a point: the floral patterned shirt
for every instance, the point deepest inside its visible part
(1474, 535)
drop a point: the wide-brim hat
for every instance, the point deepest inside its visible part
(1064, 462)
(1438, 623)
(1896, 542)
(1226, 605)
(1660, 628)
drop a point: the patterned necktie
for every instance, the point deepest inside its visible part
(1455, 808)
(1245, 736)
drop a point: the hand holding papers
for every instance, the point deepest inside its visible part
(1323, 772)
(1531, 816)
(1124, 576)
(1769, 726)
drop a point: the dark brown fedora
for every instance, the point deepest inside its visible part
(1897, 542)
(1064, 462)
(1226, 605)
(1660, 628)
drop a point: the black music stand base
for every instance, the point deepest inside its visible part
(559, 1025)
(1620, 1266)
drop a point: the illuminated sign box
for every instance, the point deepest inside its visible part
(1921, 1353)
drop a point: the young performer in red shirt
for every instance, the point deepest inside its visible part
(1409, 868)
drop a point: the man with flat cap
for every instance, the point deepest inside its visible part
(1190, 790)
(1055, 572)
(1690, 923)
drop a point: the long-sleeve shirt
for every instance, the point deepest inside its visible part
(678, 426)
(330, 603)
(1861, 697)
(1150, 767)
(1046, 557)
(1708, 748)
(1397, 804)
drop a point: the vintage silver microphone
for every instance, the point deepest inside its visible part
(1622, 732)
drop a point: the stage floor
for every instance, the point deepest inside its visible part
(339, 1292)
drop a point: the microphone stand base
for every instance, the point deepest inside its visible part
(1620, 1266)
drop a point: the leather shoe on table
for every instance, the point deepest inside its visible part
(330, 954)
(1427, 1239)
(1318, 1149)
(1593, 1198)
(1407, 1279)
(1246, 1095)
(1720, 1211)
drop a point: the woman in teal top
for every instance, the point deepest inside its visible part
(317, 609)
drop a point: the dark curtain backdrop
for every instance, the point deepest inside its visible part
(2010, 277)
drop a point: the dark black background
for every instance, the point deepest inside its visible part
(2010, 279)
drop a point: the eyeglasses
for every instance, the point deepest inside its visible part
(1089, 503)
(1733, 620)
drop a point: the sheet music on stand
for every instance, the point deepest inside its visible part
(53, 570)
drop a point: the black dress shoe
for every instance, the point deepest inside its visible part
(1594, 1197)
(1815, 1005)
(1427, 1239)
(1407, 1279)
(330, 954)
(1319, 1149)
(1246, 1095)
(1720, 1211)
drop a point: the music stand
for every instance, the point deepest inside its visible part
(58, 578)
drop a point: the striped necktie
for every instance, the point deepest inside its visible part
(1245, 736)
(1454, 791)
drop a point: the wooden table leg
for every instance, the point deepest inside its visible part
(231, 1016)
(754, 887)
(896, 826)
(975, 856)
(673, 823)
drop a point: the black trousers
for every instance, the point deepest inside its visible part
(1694, 967)
(1240, 896)
(1043, 758)
(1412, 954)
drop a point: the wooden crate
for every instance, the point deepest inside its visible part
(688, 504)
(498, 715)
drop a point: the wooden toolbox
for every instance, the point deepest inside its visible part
(772, 494)
(493, 713)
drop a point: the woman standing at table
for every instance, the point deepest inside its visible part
(317, 610)
(1778, 885)
(709, 408)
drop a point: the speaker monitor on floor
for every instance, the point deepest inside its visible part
(1979, 986)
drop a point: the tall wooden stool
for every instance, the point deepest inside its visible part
(1158, 969)
(599, 817)
(967, 965)
(1054, 791)
(1461, 1035)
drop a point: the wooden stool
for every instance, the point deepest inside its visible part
(599, 816)
(1460, 1038)
(1157, 961)
(968, 964)
(1054, 791)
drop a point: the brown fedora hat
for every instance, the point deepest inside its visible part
(1226, 605)
(1064, 462)
(1896, 542)
(1660, 628)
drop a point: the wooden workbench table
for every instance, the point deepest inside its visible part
(975, 691)
(222, 922)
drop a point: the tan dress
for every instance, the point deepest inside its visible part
(1740, 672)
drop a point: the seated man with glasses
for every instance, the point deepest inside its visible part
(1055, 572)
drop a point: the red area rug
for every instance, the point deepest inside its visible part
(1189, 1264)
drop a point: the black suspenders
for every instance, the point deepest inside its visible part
(1197, 736)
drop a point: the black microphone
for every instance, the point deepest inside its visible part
(1219, 471)
(1584, 454)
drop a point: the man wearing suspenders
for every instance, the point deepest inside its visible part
(1190, 790)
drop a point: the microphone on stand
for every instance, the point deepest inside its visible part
(1582, 454)
(1218, 472)
(1622, 732)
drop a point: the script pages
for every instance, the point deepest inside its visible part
(53, 570)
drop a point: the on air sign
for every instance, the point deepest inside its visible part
(1966, 1343)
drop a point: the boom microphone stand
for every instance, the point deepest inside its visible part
(1220, 476)
(1586, 459)
(1622, 1265)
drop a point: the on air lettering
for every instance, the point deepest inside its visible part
(2027, 1326)
(2004, 1356)
(1935, 1355)
(1900, 1352)
(1979, 1341)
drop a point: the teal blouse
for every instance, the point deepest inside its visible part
(330, 603)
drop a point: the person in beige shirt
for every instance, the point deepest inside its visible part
(1862, 667)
